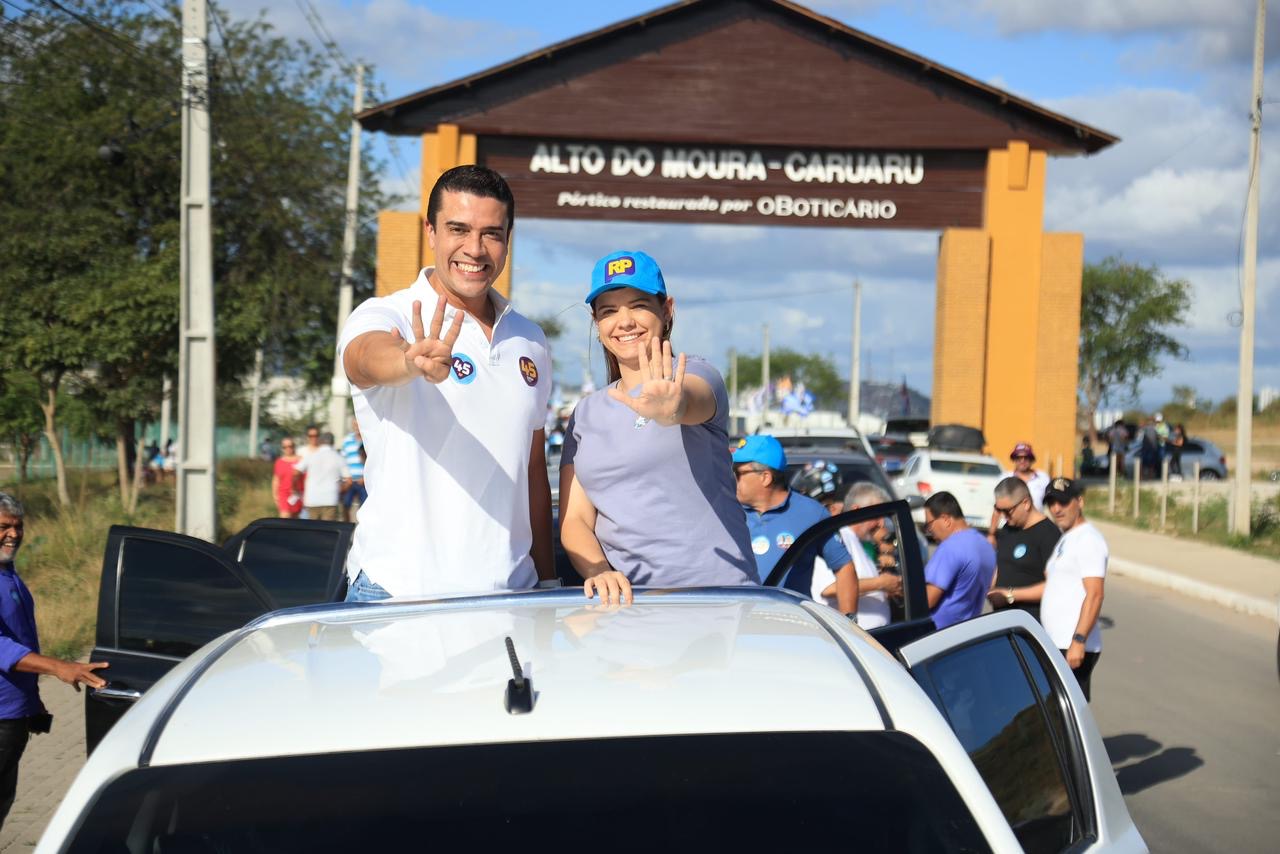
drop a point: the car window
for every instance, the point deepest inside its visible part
(1192, 448)
(966, 467)
(174, 599)
(850, 473)
(754, 791)
(292, 565)
(999, 717)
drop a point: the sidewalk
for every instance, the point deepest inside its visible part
(48, 766)
(1223, 576)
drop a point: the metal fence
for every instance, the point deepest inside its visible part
(81, 453)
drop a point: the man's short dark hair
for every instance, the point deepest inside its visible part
(944, 504)
(476, 180)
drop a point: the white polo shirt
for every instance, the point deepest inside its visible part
(447, 467)
(1081, 553)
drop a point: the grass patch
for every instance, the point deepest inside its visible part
(1213, 525)
(61, 557)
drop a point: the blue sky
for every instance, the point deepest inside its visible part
(1171, 79)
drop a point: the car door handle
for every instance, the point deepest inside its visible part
(116, 694)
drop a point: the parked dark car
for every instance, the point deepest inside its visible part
(165, 595)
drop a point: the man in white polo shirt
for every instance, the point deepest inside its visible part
(1073, 580)
(450, 387)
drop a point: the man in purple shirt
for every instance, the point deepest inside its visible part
(21, 663)
(959, 574)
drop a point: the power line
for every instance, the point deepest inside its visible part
(327, 43)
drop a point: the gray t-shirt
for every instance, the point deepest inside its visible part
(667, 512)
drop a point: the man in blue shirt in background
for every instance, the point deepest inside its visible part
(21, 712)
(353, 455)
(959, 574)
(777, 516)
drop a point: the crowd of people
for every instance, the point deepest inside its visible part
(318, 481)
(1160, 441)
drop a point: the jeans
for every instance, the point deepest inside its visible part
(364, 590)
(13, 741)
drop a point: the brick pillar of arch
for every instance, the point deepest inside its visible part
(1008, 318)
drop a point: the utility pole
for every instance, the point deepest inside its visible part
(1244, 395)
(733, 377)
(197, 505)
(764, 376)
(340, 388)
(855, 361)
(255, 402)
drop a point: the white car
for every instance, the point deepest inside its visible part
(971, 478)
(743, 718)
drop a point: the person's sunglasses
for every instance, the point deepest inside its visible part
(1008, 511)
(745, 470)
(1021, 457)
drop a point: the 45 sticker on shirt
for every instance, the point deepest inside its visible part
(464, 369)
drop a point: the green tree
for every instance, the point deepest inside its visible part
(90, 173)
(20, 418)
(816, 372)
(1126, 313)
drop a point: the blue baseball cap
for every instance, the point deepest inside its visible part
(626, 269)
(762, 449)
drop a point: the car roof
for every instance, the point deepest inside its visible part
(958, 456)
(400, 674)
(807, 453)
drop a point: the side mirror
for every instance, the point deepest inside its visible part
(915, 502)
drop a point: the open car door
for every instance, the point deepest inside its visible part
(297, 561)
(1011, 699)
(162, 597)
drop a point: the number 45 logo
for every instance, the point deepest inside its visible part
(464, 370)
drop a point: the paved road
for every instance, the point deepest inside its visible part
(1187, 697)
(48, 766)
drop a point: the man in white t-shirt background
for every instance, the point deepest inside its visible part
(325, 471)
(1072, 597)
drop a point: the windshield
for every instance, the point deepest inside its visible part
(783, 791)
(850, 473)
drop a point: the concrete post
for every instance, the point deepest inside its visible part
(1195, 498)
(1111, 485)
(197, 503)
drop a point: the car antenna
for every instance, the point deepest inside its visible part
(519, 698)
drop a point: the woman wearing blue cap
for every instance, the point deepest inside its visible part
(646, 485)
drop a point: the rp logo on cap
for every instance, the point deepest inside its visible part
(623, 266)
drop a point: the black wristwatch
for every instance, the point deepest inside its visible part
(1079, 638)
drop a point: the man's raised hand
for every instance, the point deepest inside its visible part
(661, 395)
(429, 354)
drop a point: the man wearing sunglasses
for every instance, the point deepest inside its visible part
(1023, 547)
(1024, 461)
(777, 515)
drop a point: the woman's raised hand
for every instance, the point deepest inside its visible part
(660, 396)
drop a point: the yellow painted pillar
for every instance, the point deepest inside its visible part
(1013, 217)
(960, 327)
(1007, 326)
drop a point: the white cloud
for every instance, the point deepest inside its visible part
(411, 46)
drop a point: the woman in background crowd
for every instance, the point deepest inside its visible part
(288, 502)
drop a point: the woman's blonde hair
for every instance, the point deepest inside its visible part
(611, 361)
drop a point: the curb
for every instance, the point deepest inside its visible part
(1254, 606)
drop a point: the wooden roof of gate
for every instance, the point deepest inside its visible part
(736, 72)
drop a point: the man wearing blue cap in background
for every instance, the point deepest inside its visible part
(777, 516)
